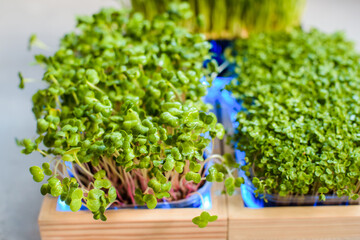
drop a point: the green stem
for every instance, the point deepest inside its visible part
(42, 152)
(82, 167)
(174, 89)
(95, 87)
(75, 97)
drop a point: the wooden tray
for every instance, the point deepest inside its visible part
(131, 224)
(235, 222)
(321, 222)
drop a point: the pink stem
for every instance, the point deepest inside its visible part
(119, 195)
(129, 188)
(172, 194)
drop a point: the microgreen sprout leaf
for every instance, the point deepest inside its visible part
(203, 220)
(37, 172)
(21, 84)
(150, 200)
(35, 42)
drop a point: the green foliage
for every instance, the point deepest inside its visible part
(35, 42)
(204, 218)
(150, 201)
(76, 197)
(300, 127)
(124, 110)
(230, 18)
(29, 146)
(38, 173)
(22, 80)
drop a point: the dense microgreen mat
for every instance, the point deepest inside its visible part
(227, 19)
(123, 113)
(300, 125)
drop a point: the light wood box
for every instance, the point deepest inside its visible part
(286, 223)
(235, 221)
(133, 224)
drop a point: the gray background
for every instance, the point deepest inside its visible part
(20, 199)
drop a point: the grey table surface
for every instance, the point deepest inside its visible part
(20, 198)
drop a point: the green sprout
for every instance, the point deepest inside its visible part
(23, 80)
(35, 42)
(203, 220)
(300, 127)
(123, 113)
(229, 19)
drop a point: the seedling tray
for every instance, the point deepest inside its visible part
(295, 222)
(132, 224)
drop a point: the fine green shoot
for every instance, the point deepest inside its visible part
(228, 19)
(300, 125)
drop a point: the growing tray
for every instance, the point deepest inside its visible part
(235, 221)
(282, 223)
(132, 224)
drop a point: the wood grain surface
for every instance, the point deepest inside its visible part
(134, 224)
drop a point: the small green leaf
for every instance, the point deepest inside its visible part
(192, 176)
(37, 172)
(169, 163)
(220, 131)
(42, 125)
(155, 185)
(179, 166)
(75, 205)
(203, 220)
(93, 204)
(77, 194)
(112, 194)
(100, 174)
(323, 190)
(95, 194)
(21, 84)
(239, 181)
(150, 200)
(44, 189)
(45, 165)
(195, 167)
(102, 183)
(48, 172)
(230, 185)
(68, 158)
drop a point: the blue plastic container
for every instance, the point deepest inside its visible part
(194, 201)
(200, 199)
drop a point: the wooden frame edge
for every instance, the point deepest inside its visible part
(134, 223)
(306, 222)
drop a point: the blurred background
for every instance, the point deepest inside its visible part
(20, 198)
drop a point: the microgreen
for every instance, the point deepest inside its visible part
(35, 42)
(204, 218)
(230, 18)
(300, 127)
(123, 109)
